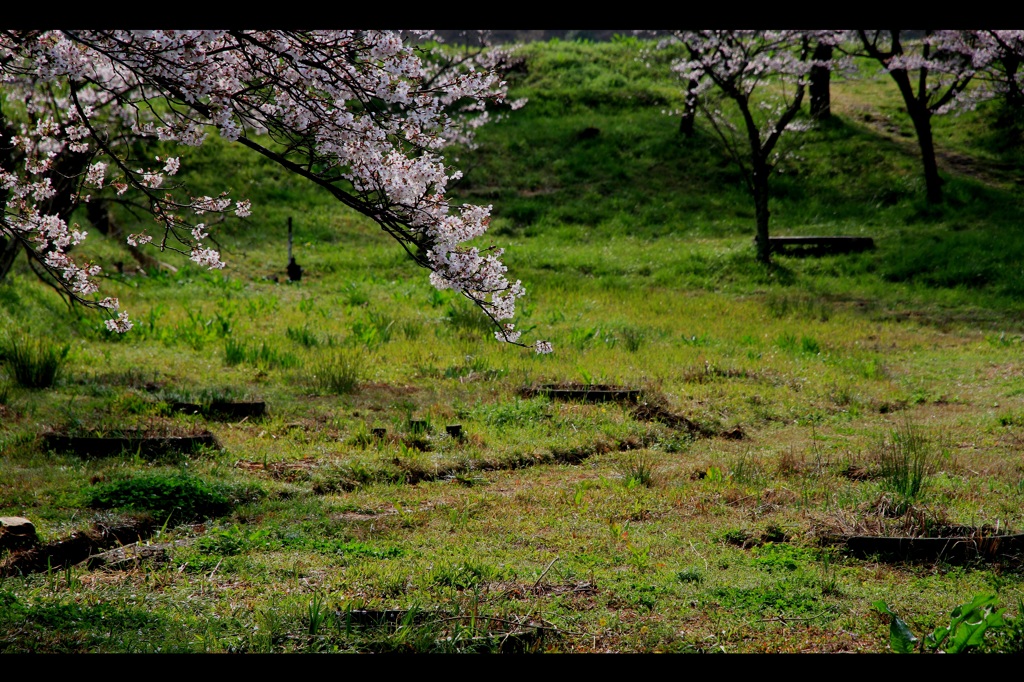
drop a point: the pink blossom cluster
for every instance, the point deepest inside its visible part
(943, 64)
(360, 113)
(741, 60)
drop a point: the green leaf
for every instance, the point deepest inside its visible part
(968, 623)
(934, 640)
(967, 635)
(901, 639)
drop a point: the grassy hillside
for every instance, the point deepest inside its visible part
(858, 174)
(774, 402)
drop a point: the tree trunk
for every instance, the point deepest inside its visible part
(923, 126)
(1014, 96)
(760, 181)
(689, 111)
(821, 98)
(9, 248)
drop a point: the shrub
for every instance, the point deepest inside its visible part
(33, 362)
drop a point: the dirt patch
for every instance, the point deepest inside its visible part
(524, 591)
(287, 471)
(745, 539)
(735, 433)
(767, 501)
(854, 472)
(649, 412)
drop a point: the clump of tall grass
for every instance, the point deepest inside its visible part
(747, 469)
(33, 362)
(376, 330)
(639, 469)
(261, 355)
(632, 337)
(303, 336)
(906, 459)
(337, 373)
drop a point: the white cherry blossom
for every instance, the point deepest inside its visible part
(363, 114)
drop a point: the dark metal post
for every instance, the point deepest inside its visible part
(294, 269)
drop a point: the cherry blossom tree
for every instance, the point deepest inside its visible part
(1002, 52)
(764, 74)
(359, 113)
(932, 75)
(475, 51)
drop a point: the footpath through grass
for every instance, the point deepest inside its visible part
(701, 517)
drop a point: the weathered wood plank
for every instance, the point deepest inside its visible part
(817, 245)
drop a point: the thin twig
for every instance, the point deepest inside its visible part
(699, 555)
(544, 573)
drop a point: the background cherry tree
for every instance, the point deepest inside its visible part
(764, 74)
(359, 113)
(1002, 52)
(932, 74)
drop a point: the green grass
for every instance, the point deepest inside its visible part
(178, 497)
(550, 525)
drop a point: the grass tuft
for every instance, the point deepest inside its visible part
(906, 460)
(33, 362)
(639, 469)
(337, 373)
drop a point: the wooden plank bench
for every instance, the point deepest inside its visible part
(819, 246)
